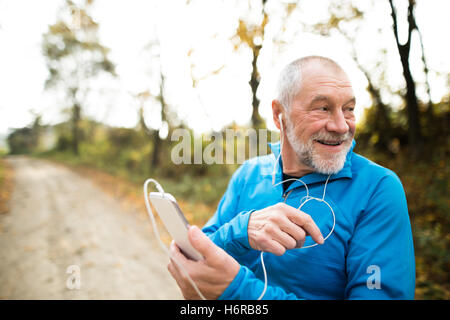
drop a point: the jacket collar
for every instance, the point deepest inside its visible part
(315, 177)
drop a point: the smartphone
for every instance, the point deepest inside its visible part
(175, 222)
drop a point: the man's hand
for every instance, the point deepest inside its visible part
(280, 227)
(212, 275)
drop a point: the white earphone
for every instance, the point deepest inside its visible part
(280, 117)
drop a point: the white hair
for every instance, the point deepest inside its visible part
(290, 79)
(289, 83)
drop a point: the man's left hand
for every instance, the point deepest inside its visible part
(212, 275)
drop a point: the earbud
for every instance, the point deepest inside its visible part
(280, 117)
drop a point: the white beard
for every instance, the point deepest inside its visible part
(330, 163)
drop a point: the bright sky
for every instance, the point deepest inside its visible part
(203, 26)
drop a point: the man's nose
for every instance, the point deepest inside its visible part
(337, 123)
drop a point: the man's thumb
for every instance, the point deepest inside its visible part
(201, 242)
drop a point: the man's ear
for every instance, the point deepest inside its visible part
(277, 111)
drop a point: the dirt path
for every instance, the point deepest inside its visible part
(58, 219)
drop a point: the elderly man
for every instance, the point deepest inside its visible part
(331, 223)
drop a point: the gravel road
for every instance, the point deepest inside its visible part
(64, 238)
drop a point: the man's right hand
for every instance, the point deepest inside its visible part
(281, 227)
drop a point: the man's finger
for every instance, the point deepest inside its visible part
(276, 248)
(173, 267)
(307, 223)
(175, 252)
(285, 239)
(202, 243)
(177, 258)
(294, 230)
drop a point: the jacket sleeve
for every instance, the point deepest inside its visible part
(246, 286)
(380, 260)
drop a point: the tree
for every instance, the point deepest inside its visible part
(157, 76)
(252, 35)
(21, 140)
(74, 56)
(412, 105)
(26, 139)
(152, 134)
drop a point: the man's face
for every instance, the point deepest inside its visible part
(320, 124)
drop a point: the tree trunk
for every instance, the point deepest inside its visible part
(256, 120)
(414, 131)
(382, 122)
(156, 149)
(155, 136)
(76, 116)
(412, 106)
(430, 113)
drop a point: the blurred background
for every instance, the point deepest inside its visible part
(99, 86)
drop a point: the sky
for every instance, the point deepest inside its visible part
(202, 28)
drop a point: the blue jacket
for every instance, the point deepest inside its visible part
(369, 255)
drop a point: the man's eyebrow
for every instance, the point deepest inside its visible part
(319, 98)
(352, 100)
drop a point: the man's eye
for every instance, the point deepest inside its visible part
(322, 108)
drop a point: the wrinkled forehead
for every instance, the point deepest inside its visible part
(317, 78)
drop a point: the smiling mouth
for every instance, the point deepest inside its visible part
(329, 143)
